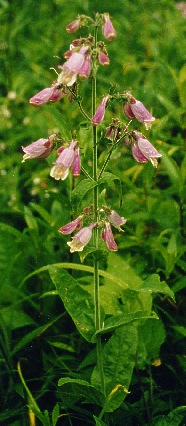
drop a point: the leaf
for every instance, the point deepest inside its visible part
(30, 220)
(120, 320)
(77, 301)
(117, 298)
(74, 390)
(151, 335)
(119, 355)
(81, 190)
(174, 418)
(110, 177)
(182, 85)
(42, 212)
(55, 414)
(153, 285)
(99, 422)
(180, 329)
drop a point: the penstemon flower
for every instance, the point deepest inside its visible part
(72, 226)
(76, 164)
(82, 238)
(73, 26)
(100, 112)
(107, 29)
(61, 167)
(116, 219)
(144, 151)
(72, 67)
(103, 59)
(135, 109)
(50, 94)
(107, 236)
(39, 149)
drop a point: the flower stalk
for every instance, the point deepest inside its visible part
(95, 234)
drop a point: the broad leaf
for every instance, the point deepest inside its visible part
(81, 190)
(118, 321)
(74, 390)
(151, 336)
(153, 285)
(119, 355)
(174, 418)
(77, 301)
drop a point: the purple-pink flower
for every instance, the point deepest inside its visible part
(100, 112)
(72, 226)
(84, 71)
(72, 67)
(135, 109)
(144, 151)
(61, 167)
(107, 236)
(76, 164)
(82, 238)
(49, 94)
(103, 59)
(107, 29)
(73, 26)
(116, 219)
(39, 149)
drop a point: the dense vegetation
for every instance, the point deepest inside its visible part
(39, 342)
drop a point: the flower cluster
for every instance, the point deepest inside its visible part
(84, 234)
(81, 60)
(67, 156)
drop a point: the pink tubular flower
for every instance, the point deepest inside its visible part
(107, 236)
(72, 226)
(73, 26)
(76, 165)
(100, 112)
(52, 94)
(39, 149)
(72, 67)
(135, 109)
(61, 167)
(107, 29)
(82, 238)
(116, 219)
(103, 59)
(144, 150)
(84, 71)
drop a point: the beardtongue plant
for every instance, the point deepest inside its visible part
(94, 226)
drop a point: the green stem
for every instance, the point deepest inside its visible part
(95, 236)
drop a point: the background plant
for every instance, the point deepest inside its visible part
(154, 241)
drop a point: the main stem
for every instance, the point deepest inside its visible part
(95, 236)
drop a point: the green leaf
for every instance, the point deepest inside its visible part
(182, 85)
(180, 329)
(55, 414)
(99, 422)
(30, 219)
(174, 418)
(119, 320)
(151, 335)
(42, 212)
(123, 294)
(119, 356)
(81, 190)
(74, 390)
(77, 301)
(153, 285)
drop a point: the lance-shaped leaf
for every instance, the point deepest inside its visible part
(77, 301)
(119, 355)
(74, 390)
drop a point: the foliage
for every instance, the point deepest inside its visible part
(48, 370)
